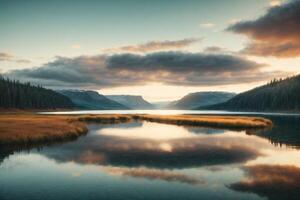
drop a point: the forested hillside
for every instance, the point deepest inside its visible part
(277, 95)
(197, 99)
(14, 94)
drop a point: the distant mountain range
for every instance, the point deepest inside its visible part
(131, 101)
(278, 95)
(199, 99)
(91, 100)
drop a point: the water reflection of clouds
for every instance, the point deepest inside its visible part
(193, 157)
(275, 182)
(205, 163)
(166, 147)
(148, 130)
(154, 174)
(168, 153)
(152, 130)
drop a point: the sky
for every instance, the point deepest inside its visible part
(160, 49)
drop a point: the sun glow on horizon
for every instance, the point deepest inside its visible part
(160, 93)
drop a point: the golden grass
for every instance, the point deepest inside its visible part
(24, 128)
(30, 129)
(237, 122)
(106, 119)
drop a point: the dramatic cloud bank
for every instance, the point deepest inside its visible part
(155, 46)
(274, 34)
(173, 68)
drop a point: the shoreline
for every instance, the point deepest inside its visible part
(30, 128)
(213, 121)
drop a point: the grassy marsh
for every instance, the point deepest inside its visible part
(31, 128)
(26, 128)
(231, 122)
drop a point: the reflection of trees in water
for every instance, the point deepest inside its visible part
(286, 131)
(7, 150)
(275, 182)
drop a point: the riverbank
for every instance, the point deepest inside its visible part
(28, 128)
(31, 128)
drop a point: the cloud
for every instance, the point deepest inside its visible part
(23, 61)
(6, 56)
(154, 174)
(11, 58)
(172, 68)
(111, 150)
(155, 46)
(179, 62)
(274, 34)
(271, 181)
(233, 21)
(207, 25)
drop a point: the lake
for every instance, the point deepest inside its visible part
(168, 112)
(145, 160)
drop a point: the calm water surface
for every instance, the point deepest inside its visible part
(144, 160)
(168, 112)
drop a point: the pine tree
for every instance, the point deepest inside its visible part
(14, 94)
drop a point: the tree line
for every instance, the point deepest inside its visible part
(14, 94)
(277, 95)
